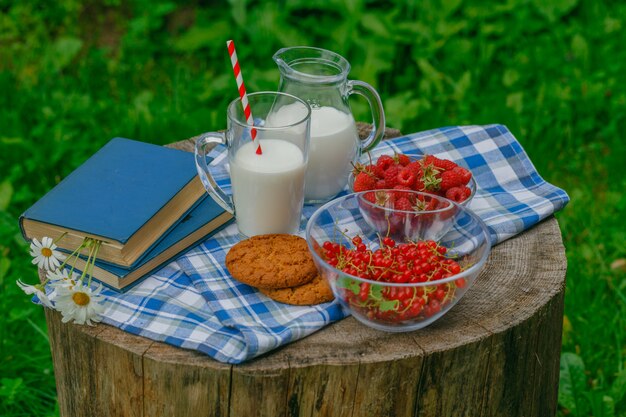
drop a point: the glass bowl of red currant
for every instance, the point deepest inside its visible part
(399, 281)
(424, 173)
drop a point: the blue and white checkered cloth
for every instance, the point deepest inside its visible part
(195, 304)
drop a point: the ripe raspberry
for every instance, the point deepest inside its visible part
(428, 160)
(403, 204)
(380, 184)
(419, 184)
(384, 162)
(375, 169)
(406, 177)
(464, 174)
(426, 203)
(445, 164)
(441, 164)
(467, 192)
(416, 167)
(432, 204)
(401, 194)
(450, 179)
(364, 182)
(391, 176)
(370, 169)
(371, 197)
(456, 194)
(402, 159)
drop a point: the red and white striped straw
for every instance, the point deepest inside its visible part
(242, 92)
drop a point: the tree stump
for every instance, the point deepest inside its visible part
(496, 353)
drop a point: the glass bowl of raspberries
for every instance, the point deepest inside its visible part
(425, 173)
(402, 281)
(407, 215)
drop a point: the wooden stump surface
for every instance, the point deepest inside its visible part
(496, 353)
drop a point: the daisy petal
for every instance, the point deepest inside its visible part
(34, 289)
(59, 255)
(43, 298)
(28, 289)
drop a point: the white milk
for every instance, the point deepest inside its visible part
(334, 145)
(268, 188)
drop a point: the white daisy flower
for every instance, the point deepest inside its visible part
(44, 254)
(79, 303)
(61, 278)
(63, 275)
(37, 290)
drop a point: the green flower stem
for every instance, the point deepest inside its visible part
(65, 261)
(75, 255)
(91, 251)
(82, 245)
(59, 238)
(94, 247)
(93, 262)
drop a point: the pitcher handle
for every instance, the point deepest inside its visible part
(214, 190)
(378, 115)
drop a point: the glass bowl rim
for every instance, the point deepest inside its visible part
(390, 209)
(471, 270)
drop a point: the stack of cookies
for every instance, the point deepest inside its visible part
(281, 267)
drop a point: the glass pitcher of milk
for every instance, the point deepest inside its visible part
(320, 77)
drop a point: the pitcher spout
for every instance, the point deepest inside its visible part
(307, 63)
(279, 59)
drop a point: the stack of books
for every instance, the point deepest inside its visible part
(144, 202)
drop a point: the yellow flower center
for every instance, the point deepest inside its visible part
(80, 298)
(47, 252)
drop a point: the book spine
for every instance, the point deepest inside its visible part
(21, 223)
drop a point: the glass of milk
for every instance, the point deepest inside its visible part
(320, 77)
(267, 188)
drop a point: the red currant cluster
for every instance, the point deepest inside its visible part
(412, 262)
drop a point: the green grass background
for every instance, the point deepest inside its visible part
(74, 74)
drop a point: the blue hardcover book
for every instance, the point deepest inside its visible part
(205, 219)
(129, 194)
